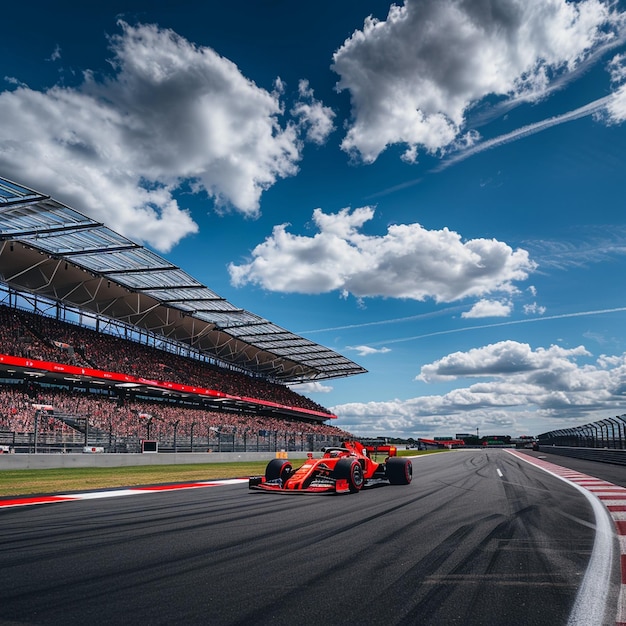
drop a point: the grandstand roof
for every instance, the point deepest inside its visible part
(52, 250)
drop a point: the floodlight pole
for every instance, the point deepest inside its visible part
(175, 431)
(35, 433)
(191, 438)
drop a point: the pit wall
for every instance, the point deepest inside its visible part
(55, 461)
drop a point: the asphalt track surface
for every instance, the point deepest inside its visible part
(479, 538)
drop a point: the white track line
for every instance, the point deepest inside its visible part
(6, 503)
(591, 601)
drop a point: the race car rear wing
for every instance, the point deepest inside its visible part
(386, 449)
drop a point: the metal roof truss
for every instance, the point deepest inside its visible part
(50, 249)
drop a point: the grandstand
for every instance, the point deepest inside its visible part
(120, 345)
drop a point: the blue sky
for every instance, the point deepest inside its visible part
(434, 189)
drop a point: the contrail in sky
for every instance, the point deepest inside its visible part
(455, 330)
(525, 131)
(423, 316)
(509, 323)
(520, 133)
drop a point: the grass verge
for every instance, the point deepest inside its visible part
(50, 481)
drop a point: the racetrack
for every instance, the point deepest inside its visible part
(478, 538)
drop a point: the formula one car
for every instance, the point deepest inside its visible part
(344, 469)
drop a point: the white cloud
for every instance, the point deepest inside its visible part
(534, 309)
(172, 113)
(314, 387)
(616, 107)
(368, 350)
(617, 69)
(489, 308)
(413, 77)
(516, 385)
(313, 117)
(506, 357)
(407, 262)
(56, 54)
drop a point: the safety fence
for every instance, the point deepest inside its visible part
(212, 441)
(608, 433)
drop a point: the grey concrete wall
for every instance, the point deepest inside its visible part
(54, 461)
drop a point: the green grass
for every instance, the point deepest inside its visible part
(51, 481)
(420, 452)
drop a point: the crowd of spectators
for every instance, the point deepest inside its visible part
(38, 337)
(127, 417)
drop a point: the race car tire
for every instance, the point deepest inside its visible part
(351, 470)
(278, 468)
(399, 471)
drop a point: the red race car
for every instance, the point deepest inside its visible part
(344, 469)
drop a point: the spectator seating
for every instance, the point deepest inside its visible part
(33, 336)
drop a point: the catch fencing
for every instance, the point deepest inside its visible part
(604, 440)
(608, 433)
(212, 441)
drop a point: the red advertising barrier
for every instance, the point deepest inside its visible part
(73, 370)
(442, 442)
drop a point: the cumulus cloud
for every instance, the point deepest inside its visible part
(171, 116)
(515, 384)
(506, 357)
(413, 77)
(314, 387)
(534, 309)
(408, 261)
(313, 117)
(368, 350)
(489, 308)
